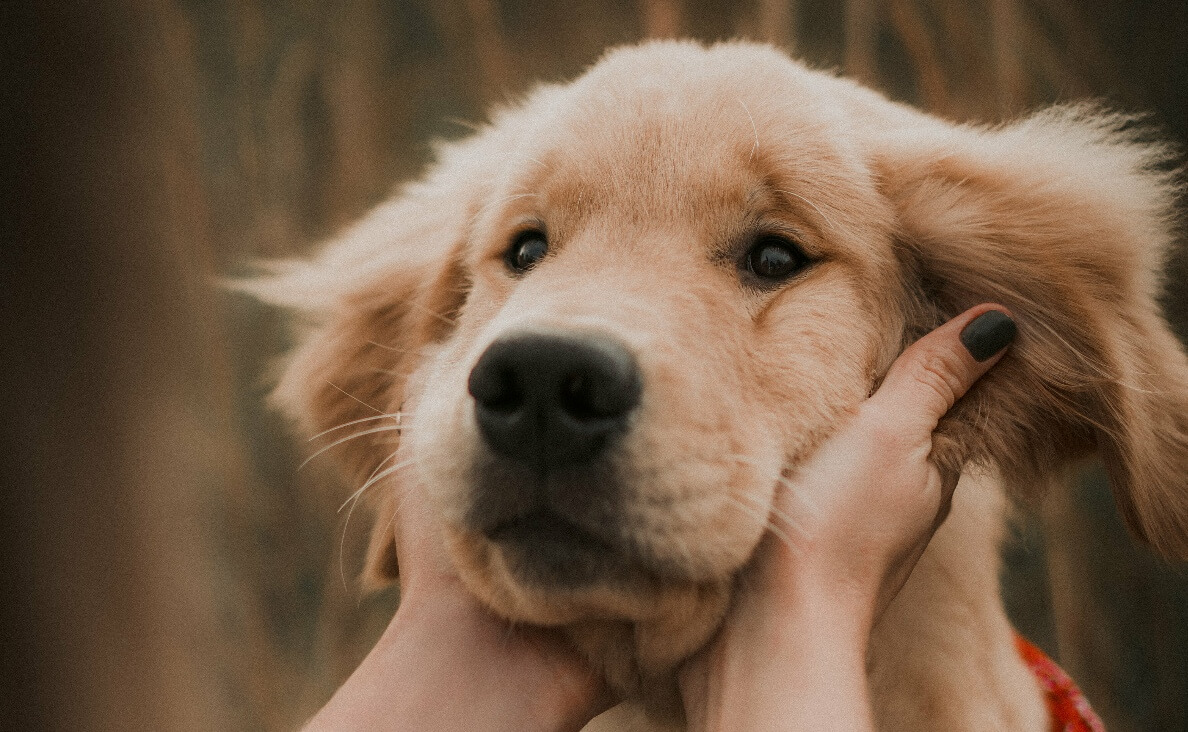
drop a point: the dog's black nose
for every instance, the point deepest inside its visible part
(553, 400)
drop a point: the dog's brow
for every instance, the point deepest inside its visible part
(828, 221)
(754, 129)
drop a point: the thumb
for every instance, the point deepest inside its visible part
(934, 372)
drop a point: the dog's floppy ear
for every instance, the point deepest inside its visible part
(366, 308)
(1064, 218)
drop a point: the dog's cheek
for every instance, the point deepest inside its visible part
(704, 515)
(819, 359)
(486, 577)
(697, 444)
(441, 440)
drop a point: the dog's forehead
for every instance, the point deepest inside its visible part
(704, 156)
(674, 134)
(700, 148)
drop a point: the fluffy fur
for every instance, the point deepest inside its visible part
(650, 174)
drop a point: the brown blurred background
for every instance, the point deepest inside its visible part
(165, 564)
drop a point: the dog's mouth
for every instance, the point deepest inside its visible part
(543, 547)
(545, 529)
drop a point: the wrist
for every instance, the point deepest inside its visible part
(801, 679)
(808, 630)
(833, 607)
(795, 663)
(811, 587)
(528, 675)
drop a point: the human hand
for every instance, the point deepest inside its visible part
(446, 663)
(849, 525)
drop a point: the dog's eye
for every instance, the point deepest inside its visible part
(775, 258)
(526, 250)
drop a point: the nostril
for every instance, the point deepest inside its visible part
(576, 398)
(495, 388)
(598, 393)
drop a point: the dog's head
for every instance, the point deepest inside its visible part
(619, 313)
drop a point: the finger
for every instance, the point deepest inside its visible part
(934, 372)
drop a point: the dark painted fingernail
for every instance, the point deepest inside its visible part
(988, 334)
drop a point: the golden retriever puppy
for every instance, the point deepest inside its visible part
(613, 319)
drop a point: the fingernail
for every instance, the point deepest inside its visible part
(988, 334)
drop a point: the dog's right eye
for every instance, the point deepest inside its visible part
(775, 258)
(526, 250)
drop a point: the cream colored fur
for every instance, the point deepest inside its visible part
(650, 174)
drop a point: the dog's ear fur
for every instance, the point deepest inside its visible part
(1064, 218)
(366, 308)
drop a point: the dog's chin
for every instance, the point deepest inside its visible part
(632, 622)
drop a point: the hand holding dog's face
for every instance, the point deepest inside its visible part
(692, 264)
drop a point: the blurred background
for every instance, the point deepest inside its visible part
(166, 565)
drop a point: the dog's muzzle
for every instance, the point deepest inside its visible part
(549, 408)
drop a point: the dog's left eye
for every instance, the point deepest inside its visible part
(773, 258)
(526, 250)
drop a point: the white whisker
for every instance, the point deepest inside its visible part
(505, 199)
(381, 465)
(352, 396)
(828, 221)
(775, 530)
(391, 372)
(391, 522)
(754, 129)
(373, 430)
(347, 523)
(393, 415)
(797, 495)
(375, 478)
(448, 321)
(772, 510)
(394, 349)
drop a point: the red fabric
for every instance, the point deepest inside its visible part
(1069, 709)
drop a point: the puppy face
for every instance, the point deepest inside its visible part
(699, 276)
(622, 312)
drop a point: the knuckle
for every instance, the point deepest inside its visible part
(940, 373)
